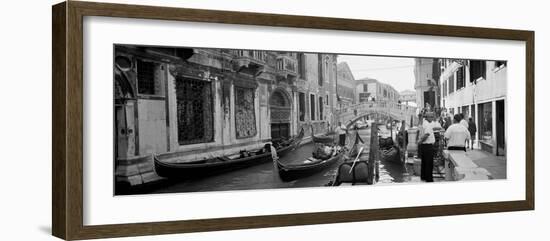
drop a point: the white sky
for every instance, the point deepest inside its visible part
(397, 72)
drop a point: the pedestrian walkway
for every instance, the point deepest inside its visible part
(496, 165)
(493, 167)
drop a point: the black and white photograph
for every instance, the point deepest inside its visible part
(190, 119)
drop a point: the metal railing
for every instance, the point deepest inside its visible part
(257, 55)
(286, 63)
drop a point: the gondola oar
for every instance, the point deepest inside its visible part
(356, 158)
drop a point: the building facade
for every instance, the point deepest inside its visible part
(477, 89)
(195, 103)
(368, 89)
(316, 98)
(345, 86)
(426, 75)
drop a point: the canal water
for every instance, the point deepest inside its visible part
(264, 176)
(392, 172)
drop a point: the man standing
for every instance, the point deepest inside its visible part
(426, 147)
(457, 135)
(341, 130)
(472, 128)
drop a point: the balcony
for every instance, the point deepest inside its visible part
(287, 67)
(257, 56)
(250, 61)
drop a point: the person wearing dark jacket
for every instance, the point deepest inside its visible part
(472, 128)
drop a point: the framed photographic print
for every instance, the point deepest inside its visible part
(187, 120)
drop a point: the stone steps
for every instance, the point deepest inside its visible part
(136, 171)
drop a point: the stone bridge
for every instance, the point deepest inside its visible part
(377, 110)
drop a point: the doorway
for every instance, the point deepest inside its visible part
(280, 110)
(280, 130)
(429, 97)
(501, 140)
(125, 136)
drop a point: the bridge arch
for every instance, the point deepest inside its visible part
(385, 110)
(373, 115)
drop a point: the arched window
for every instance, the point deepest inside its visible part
(278, 99)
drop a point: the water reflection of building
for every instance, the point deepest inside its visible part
(426, 75)
(368, 89)
(345, 85)
(196, 103)
(477, 88)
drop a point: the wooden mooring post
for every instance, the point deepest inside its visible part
(374, 155)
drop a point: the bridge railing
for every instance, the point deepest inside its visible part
(389, 106)
(395, 110)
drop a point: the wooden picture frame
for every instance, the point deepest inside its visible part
(67, 123)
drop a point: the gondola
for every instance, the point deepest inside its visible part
(301, 168)
(326, 138)
(391, 155)
(206, 167)
(169, 168)
(353, 147)
(296, 170)
(389, 151)
(283, 149)
(352, 170)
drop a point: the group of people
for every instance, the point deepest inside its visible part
(459, 135)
